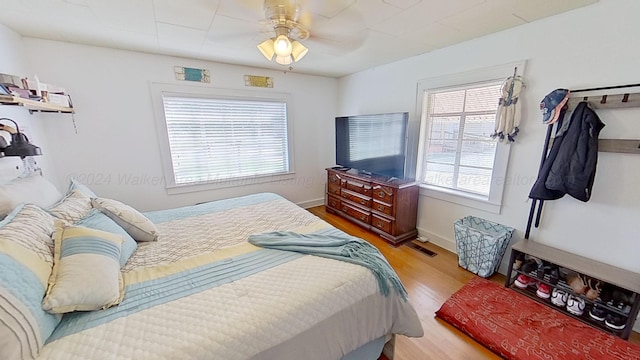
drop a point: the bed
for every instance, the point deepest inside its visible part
(201, 291)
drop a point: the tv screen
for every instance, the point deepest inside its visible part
(372, 143)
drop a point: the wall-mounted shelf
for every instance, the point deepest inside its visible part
(33, 105)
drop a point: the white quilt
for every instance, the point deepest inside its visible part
(305, 308)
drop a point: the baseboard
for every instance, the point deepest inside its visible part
(311, 203)
(443, 242)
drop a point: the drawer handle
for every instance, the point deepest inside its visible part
(379, 224)
(362, 217)
(381, 194)
(380, 207)
(344, 208)
(362, 201)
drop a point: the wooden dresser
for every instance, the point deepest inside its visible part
(387, 207)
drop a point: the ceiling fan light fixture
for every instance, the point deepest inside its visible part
(284, 60)
(267, 48)
(298, 51)
(282, 46)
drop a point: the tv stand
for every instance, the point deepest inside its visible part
(385, 205)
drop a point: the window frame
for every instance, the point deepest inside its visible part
(492, 203)
(160, 89)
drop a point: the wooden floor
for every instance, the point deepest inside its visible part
(430, 281)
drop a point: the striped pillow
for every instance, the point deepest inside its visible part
(86, 272)
(73, 207)
(99, 221)
(26, 261)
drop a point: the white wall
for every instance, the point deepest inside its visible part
(13, 62)
(588, 47)
(116, 129)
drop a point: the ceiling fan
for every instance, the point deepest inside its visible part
(286, 18)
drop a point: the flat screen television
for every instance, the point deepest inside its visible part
(373, 144)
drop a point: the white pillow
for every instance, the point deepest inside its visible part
(86, 270)
(137, 225)
(33, 189)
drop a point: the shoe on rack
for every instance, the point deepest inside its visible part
(554, 274)
(530, 265)
(544, 291)
(575, 305)
(518, 261)
(597, 312)
(522, 281)
(559, 297)
(615, 321)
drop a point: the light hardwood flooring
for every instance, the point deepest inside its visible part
(430, 281)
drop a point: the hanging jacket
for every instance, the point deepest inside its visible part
(539, 189)
(574, 168)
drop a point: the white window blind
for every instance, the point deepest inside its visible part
(363, 131)
(215, 140)
(460, 153)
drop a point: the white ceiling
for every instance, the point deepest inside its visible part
(346, 35)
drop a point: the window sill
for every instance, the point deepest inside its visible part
(460, 198)
(238, 182)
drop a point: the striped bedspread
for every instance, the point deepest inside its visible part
(203, 292)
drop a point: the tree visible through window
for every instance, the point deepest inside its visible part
(459, 152)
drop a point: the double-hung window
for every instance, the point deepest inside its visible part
(459, 161)
(223, 140)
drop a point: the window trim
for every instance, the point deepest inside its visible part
(492, 203)
(160, 89)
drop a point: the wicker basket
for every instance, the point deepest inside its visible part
(480, 244)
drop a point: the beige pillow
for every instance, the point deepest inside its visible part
(33, 189)
(137, 225)
(73, 207)
(26, 259)
(86, 270)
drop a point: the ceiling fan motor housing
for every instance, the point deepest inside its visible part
(285, 14)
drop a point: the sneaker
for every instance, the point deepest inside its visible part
(518, 261)
(544, 291)
(597, 312)
(522, 281)
(529, 266)
(559, 297)
(615, 321)
(575, 305)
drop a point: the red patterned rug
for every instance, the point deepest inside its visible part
(516, 327)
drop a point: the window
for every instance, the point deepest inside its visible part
(224, 140)
(460, 152)
(458, 161)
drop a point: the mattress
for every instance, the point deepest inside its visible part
(203, 292)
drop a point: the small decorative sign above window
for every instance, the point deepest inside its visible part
(258, 81)
(191, 74)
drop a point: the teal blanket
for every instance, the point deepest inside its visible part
(338, 247)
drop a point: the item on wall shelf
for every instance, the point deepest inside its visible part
(20, 145)
(584, 105)
(191, 74)
(258, 81)
(509, 111)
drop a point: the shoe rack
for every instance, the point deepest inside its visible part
(620, 289)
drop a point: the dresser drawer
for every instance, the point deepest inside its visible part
(381, 223)
(383, 193)
(382, 207)
(334, 189)
(334, 178)
(333, 202)
(357, 186)
(361, 215)
(356, 198)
